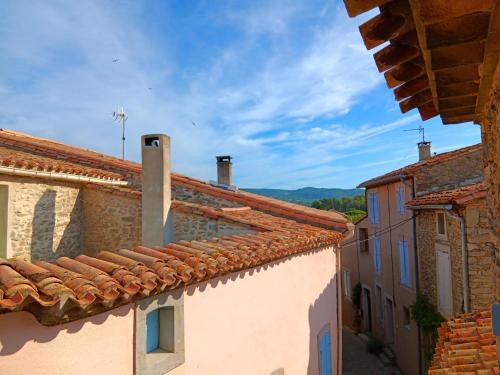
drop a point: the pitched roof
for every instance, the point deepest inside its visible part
(55, 150)
(459, 196)
(408, 170)
(70, 289)
(466, 345)
(440, 56)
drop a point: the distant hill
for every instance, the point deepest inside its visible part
(307, 195)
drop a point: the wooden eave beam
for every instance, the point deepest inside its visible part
(404, 72)
(357, 7)
(433, 11)
(412, 87)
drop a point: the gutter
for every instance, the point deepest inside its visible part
(59, 176)
(463, 240)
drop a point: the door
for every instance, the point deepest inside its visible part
(366, 307)
(445, 304)
(389, 324)
(325, 352)
(4, 209)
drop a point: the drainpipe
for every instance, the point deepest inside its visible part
(465, 263)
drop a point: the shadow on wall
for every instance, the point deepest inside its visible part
(44, 230)
(321, 313)
(19, 328)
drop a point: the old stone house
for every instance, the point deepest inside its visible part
(455, 249)
(150, 272)
(385, 256)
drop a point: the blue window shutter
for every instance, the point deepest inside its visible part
(401, 200)
(376, 253)
(404, 263)
(152, 331)
(370, 208)
(326, 353)
(375, 207)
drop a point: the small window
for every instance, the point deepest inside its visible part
(347, 283)
(363, 240)
(406, 316)
(160, 330)
(380, 304)
(377, 259)
(401, 200)
(373, 208)
(404, 264)
(441, 224)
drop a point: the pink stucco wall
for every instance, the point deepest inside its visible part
(251, 322)
(102, 344)
(262, 320)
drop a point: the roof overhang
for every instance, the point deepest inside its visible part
(441, 55)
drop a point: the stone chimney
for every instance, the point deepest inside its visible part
(224, 170)
(156, 189)
(424, 150)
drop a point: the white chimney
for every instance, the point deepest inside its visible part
(424, 150)
(224, 170)
(156, 190)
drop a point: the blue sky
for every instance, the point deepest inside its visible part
(285, 87)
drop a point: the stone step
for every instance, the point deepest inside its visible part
(383, 358)
(389, 353)
(364, 337)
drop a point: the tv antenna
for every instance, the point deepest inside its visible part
(420, 130)
(121, 116)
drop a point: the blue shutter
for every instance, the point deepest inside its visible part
(404, 263)
(325, 353)
(376, 253)
(373, 207)
(401, 200)
(152, 331)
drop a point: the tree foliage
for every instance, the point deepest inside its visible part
(341, 204)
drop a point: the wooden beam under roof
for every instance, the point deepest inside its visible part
(357, 7)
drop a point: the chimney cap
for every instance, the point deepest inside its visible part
(223, 159)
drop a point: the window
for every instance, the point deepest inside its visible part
(325, 352)
(363, 240)
(401, 200)
(441, 224)
(377, 260)
(406, 317)
(373, 208)
(159, 333)
(380, 304)
(347, 283)
(404, 264)
(4, 209)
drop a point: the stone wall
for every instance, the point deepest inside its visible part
(426, 234)
(44, 218)
(459, 171)
(480, 255)
(193, 227)
(111, 221)
(490, 133)
(182, 193)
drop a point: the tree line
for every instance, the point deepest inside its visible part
(341, 204)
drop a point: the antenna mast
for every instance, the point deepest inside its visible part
(420, 129)
(121, 116)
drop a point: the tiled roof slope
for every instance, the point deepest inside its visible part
(52, 149)
(454, 196)
(70, 289)
(466, 345)
(20, 160)
(412, 168)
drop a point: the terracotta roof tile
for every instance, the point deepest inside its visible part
(49, 150)
(454, 196)
(70, 289)
(412, 168)
(466, 344)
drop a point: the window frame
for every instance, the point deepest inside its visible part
(443, 236)
(400, 191)
(364, 240)
(346, 278)
(379, 295)
(160, 360)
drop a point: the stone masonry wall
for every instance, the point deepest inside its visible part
(44, 218)
(490, 134)
(480, 255)
(182, 193)
(459, 171)
(455, 244)
(110, 221)
(193, 227)
(426, 234)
